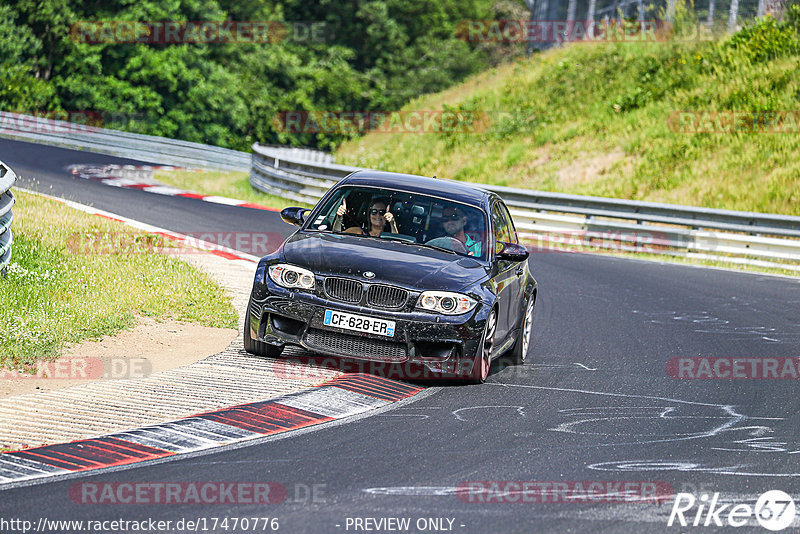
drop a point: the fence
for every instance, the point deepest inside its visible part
(626, 225)
(147, 148)
(716, 15)
(7, 179)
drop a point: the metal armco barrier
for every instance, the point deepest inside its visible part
(7, 179)
(275, 171)
(146, 148)
(550, 221)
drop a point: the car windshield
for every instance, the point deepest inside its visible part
(406, 217)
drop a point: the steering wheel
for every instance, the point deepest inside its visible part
(450, 243)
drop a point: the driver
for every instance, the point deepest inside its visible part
(453, 223)
(378, 217)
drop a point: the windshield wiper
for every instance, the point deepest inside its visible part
(398, 240)
(435, 247)
(407, 242)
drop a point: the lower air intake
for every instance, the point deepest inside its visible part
(356, 346)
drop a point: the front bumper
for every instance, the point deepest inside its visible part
(425, 345)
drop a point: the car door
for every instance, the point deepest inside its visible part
(504, 274)
(516, 291)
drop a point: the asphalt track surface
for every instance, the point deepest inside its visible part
(593, 403)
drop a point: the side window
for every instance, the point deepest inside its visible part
(500, 227)
(513, 237)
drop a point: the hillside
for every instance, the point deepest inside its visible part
(712, 123)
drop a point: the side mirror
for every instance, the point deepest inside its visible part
(294, 215)
(513, 252)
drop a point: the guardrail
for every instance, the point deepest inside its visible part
(275, 171)
(147, 148)
(300, 153)
(7, 179)
(557, 220)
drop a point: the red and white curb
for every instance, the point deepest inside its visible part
(342, 397)
(218, 250)
(141, 177)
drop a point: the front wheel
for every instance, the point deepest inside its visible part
(483, 360)
(520, 350)
(256, 347)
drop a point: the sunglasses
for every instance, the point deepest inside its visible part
(452, 217)
(374, 211)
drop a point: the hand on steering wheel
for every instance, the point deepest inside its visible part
(450, 243)
(458, 246)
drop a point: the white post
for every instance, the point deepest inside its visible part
(590, 18)
(710, 22)
(733, 15)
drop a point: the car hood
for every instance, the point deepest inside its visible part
(398, 263)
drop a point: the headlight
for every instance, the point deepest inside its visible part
(291, 277)
(445, 302)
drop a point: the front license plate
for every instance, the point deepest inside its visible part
(359, 323)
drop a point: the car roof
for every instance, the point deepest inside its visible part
(449, 189)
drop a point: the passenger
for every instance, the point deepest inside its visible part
(378, 217)
(453, 223)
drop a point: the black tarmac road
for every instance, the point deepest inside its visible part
(595, 402)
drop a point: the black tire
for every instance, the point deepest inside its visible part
(519, 351)
(482, 363)
(257, 347)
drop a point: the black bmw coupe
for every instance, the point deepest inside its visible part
(399, 269)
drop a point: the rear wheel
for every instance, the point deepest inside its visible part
(483, 360)
(520, 350)
(256, 347)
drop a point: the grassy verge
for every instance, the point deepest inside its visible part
(719, 264)
(75, 276)
(668, 258)
(225, 184)
(604, 119)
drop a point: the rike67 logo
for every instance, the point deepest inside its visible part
(774, 510)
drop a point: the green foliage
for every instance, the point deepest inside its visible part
(374, 55)
(19, 88)
(793, 17)
(600, 119)
(767, 39)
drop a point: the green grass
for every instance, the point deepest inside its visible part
(594, 119)
(75, 276)
(720, 264)
(682, 260)
(225, 184)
